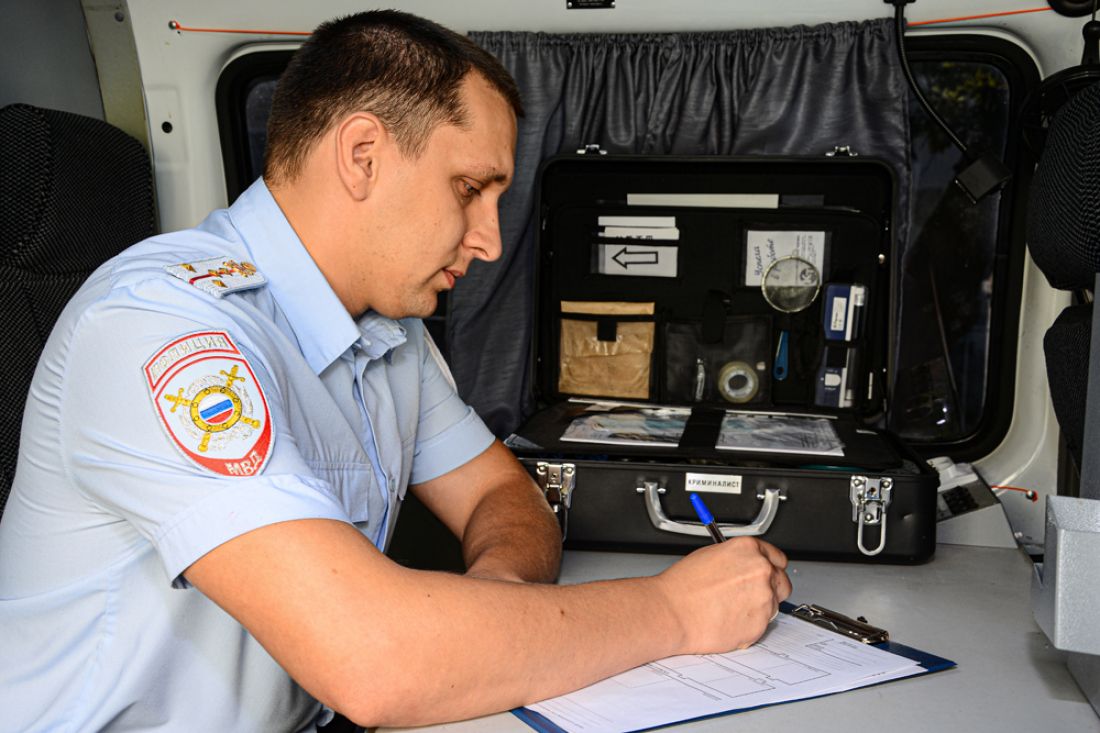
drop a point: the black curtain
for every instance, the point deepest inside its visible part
(783, 91)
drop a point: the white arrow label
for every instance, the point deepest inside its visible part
(636, 260)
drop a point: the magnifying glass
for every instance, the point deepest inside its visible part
(790, 285)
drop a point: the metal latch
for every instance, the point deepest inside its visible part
(841, 151)
(870, 497)
(590, 4)
(591, 149)
(556, 480)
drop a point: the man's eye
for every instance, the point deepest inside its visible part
(467, 190)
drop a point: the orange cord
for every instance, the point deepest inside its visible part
(1031, 494)
(175, 25)
(977, 17)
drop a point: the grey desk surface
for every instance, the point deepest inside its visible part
(970, 604)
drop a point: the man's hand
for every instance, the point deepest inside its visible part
(724, 595)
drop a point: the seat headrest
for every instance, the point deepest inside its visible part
(1063, 221)
(71, 188)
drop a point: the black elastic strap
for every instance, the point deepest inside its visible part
(702, 427)
(607, 329)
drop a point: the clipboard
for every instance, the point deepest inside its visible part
(857, 631)
(855, 628)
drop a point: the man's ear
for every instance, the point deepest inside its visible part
(358, 139)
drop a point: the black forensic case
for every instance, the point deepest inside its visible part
(667, 324)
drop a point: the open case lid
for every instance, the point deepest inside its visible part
(834, 212)
(678, 253)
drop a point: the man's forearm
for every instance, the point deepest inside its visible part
(403, 647)
(513, 535)
(513, 644)
(492, 505)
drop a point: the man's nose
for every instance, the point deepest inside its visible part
(483, 232)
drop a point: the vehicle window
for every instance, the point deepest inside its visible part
(257, 106)
(959, 279)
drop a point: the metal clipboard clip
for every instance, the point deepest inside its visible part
(857, 629)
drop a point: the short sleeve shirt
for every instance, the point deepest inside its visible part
(171, 413)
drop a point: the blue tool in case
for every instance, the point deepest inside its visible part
(843, 312)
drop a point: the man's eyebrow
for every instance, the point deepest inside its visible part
(491, 174)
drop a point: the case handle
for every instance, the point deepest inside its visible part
(758, 526)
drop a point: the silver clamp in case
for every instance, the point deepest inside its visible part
(870, 497)
(556, 481)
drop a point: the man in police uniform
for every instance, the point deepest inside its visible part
(225, 420)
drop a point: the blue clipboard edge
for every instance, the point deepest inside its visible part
(929, 663)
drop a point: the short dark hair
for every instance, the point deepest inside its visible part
(406, 70)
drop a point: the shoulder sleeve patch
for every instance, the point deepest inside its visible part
(210, 403)
(218, 275)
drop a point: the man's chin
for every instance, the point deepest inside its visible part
(419, 308)
(430, 306)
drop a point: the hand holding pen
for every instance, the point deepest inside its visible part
(711, 524)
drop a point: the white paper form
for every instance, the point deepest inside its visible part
(794, 660)
(762, 248)
(616, 424)
(772, 433)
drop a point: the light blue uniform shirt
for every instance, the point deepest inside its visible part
(98, 628)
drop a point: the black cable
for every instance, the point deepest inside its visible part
(953, 385)
(982, 173)
(899, 34)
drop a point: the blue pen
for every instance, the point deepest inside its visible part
(706, 517)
